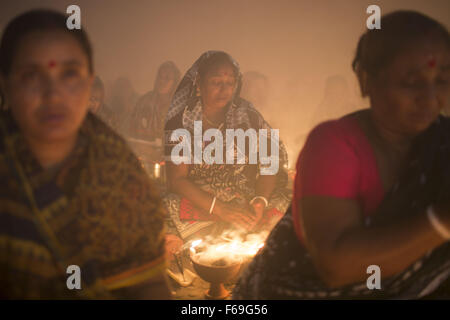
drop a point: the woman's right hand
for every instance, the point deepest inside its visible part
(239, 217)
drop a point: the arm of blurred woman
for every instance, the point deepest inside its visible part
(342, 247)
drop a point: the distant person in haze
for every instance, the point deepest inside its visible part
(97, 104)
(336, 101)
(123, 98)
(373, 187)
(147, 120)
(72, 192)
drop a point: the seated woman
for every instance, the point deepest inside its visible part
(98, 106)
(372, 188)
(148, 116)
(72, 193)
(207, 198)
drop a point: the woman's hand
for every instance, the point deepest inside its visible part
(239, 217)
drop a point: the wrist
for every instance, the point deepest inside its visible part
(217, 211)
(259, 201)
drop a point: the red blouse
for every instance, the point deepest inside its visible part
(337, 161)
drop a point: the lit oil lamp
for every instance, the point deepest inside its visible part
(221, 262)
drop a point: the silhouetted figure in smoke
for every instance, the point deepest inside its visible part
(123, 99)
(336, 101)
(150, 112)
(97, 104)
(255, 88)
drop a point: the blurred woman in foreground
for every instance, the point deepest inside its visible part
(372, 188)
(72, 193)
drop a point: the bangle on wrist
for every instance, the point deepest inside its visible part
(213, 203)
(437, 225)
(266, 203)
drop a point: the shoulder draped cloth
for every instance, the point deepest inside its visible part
(97, 210)
(284, 270)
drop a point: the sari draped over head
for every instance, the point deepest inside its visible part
(149, 114)
(283, 269)
(96, 210)
(107, 116)
(231, 183)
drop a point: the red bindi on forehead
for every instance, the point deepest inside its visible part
(431, 61)
(51, 63)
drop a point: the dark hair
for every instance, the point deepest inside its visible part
(214, 60)
(170, 65)
(31, 21)
(37, 20)
(378, 47)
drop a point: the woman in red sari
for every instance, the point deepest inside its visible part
(372, 188)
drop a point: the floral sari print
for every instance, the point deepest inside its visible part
(97, 210)
(231, 183)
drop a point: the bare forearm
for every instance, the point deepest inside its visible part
(393, 248)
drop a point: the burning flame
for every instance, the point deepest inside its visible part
(196, 243)
(229, 247)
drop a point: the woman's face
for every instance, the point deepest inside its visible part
(48, 87)
(165, 81)
(218, 86)
(408, 95)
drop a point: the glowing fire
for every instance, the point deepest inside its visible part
(228, 247)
